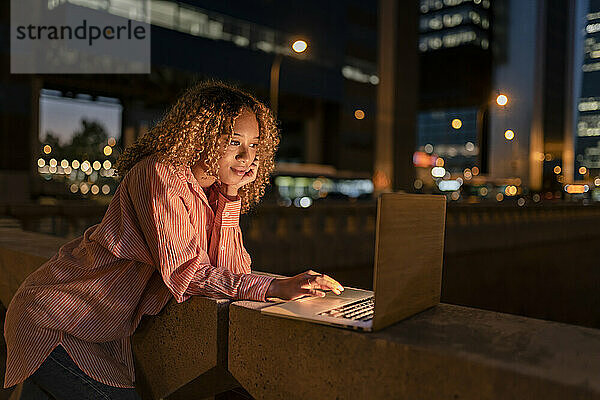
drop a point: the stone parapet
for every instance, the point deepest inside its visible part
(447, 352)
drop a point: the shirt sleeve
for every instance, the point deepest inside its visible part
(174, 245)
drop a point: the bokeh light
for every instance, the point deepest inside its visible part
(299, 46)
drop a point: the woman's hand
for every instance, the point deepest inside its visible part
(307, 283)
(249, 177)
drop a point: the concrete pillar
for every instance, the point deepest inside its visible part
(19, 143)
(384, 131)
(397, 95)
(520, 76)
(536, 140)
(568, 152)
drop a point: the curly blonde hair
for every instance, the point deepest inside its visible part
(190, 130)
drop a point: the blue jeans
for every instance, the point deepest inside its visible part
(59, 378)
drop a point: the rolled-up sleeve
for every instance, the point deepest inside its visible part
(174, 245)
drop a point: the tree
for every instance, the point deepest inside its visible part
(88, 142)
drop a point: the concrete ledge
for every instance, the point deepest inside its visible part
(21, 253)
(183, 351)
(447, 352)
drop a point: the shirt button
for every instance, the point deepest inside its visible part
(222, 247)
(226, 213)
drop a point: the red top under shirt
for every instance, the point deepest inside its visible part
(161, 237)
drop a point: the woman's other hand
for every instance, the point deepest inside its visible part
(309, 283)
(249, 176)
(231, 190)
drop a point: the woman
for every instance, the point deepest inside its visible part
(171, 230)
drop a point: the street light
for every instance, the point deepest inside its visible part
(501, 100)
(298, 46)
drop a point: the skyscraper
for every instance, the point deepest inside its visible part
(587, 142)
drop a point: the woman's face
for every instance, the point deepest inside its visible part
(241, 150)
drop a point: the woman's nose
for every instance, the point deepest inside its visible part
(243, 155)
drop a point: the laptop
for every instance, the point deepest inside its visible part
(407, 276)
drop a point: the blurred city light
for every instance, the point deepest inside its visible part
(359, 114)
(305, 202)
(41, 162)
(449, 186)
(557, 170)
(438, 172)
(456, 123)
(502, 100)
(107, 150)
(111, 141)
(582, 170)
(576, 189)
(75, 164)
(299, 46)
(47, 149)
(509, 134)
(510, 190)
(467, 174)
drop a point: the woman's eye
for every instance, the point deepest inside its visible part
(234, 143)
(254, 144)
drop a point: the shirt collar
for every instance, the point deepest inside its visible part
(186, 174)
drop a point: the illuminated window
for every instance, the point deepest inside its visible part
(163, 13)
(191, 21)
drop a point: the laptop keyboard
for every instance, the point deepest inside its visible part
(361, 310)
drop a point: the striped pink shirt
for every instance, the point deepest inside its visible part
(161, 237)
